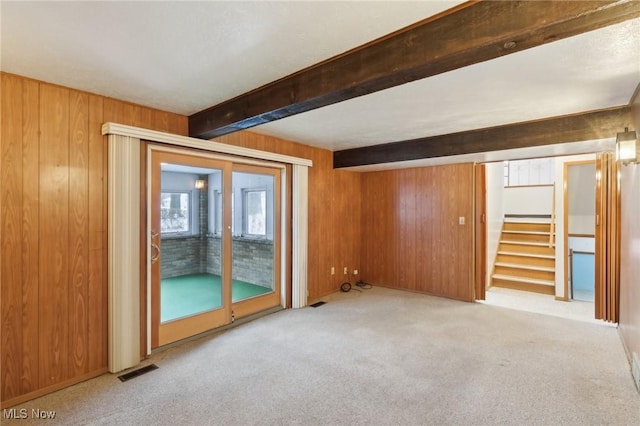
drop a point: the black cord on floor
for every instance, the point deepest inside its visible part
(363, 285)
(346, 286)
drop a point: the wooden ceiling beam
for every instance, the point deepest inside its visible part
(592, 125)
(468, 34)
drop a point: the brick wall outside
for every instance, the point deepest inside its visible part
(214, 255)
(181, 256)
(252, 260)
(197, 254)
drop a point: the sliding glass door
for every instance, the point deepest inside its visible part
(256, 233)
(215, 243)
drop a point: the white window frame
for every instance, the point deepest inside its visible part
(189, 230)
(245, 213)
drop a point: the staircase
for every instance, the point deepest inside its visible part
(526, 256)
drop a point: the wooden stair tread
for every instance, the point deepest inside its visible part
(529, 267)
(508, 231)
(537, 255)
(528, 221)
(523, 280)
(527, 243)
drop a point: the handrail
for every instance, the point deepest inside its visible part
(552, 229)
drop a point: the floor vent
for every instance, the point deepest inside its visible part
(135, 373)
(315, 305)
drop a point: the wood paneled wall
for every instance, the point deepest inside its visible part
(54, 231)
(334, 211)
(411, 236)
(399, 228)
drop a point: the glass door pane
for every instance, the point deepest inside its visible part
(215, 243)
(188, 279)
(255, 243)
(191, 250)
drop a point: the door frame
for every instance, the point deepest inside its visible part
(480, 231)
(250, 306)
(565, 219)
(153, 340)
(162, 334)
(124, 183)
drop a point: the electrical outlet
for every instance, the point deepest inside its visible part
(461, 220)
(355, 272)
(333, 270)
(346, 270)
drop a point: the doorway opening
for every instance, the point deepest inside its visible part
(215, 242)
(528, 235)
(580, 204)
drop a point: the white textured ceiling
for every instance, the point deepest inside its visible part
(186, 56)
(594, 70)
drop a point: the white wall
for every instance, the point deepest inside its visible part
(582, 224)
(495, 211)
(582, 199)
(528, 200)
(214, 186)
(586, 244)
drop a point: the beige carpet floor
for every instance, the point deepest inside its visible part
(377, 357)
(542, 304)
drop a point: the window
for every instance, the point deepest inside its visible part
(505, 173)
(175, 212)
(537, 171)
(254, 212)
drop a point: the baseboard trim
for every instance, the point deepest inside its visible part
(52, 388)
(633, 358)
(446, 296)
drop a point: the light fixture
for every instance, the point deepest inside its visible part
(627, 147)
(199, 183)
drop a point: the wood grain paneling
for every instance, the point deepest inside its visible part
(97, 239)
(54, 234)
(114, 111)
(30, 234)
(10, 217)
(78, 232)
(53, 265)
(411, 236)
